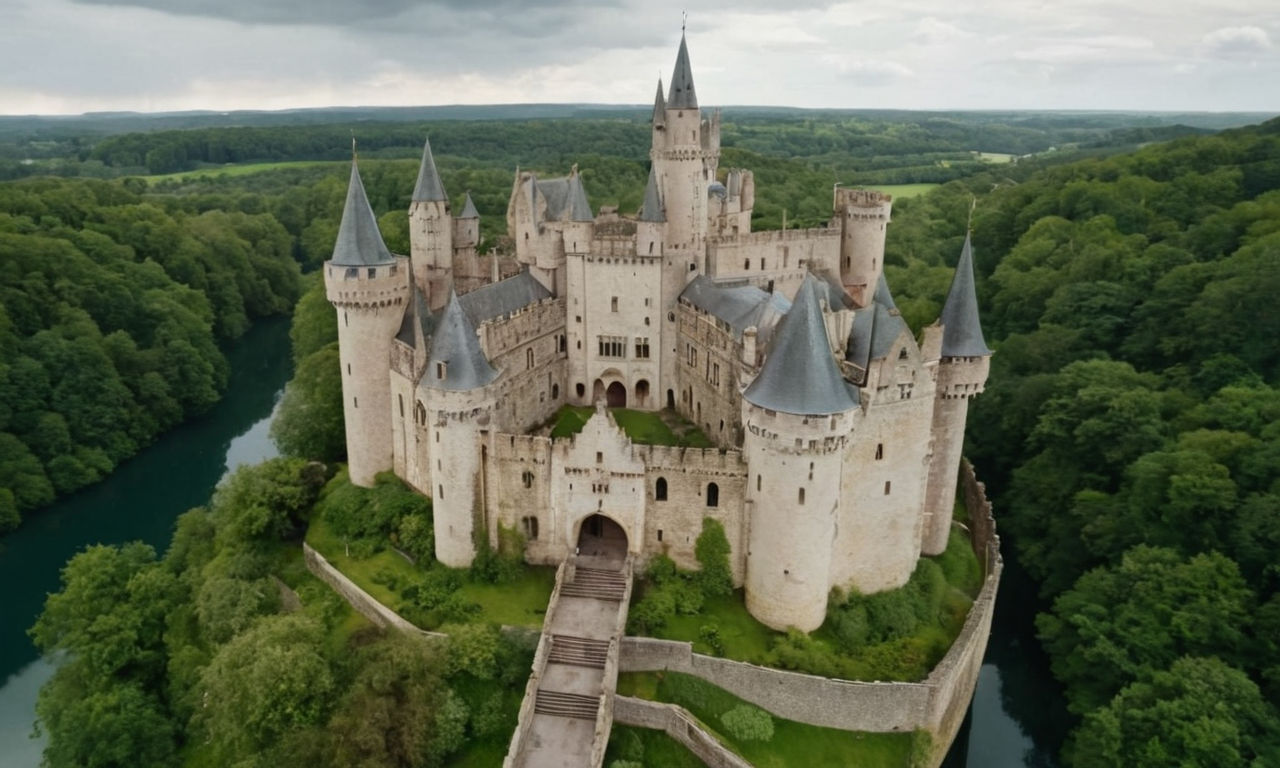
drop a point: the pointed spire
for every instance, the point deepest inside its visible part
(659, 107)
(682, 95)
(359, 242)
(652, 210)
(962, 330)
(457, 362)
(800, 374)
(469, 209)
(579, 208)
(882, 295)
(428, 187)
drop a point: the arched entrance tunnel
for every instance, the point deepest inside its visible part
(602, 538)
(616, 395)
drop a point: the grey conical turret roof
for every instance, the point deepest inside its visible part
(579, 208)
(359, 242)
(962, 330)
(682, 95)
(799, 375)
(652, 210)
(659, 107)
(428, 187)
(469, 209)
(455, 344)
(882, 295)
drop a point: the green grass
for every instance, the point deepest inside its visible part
(743, 637)
(234, 170)
(793, 744)
(650, 748)
(994, 157)
(385, 574)
(644, 427)
(903, 191)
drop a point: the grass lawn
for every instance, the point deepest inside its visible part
(645, 427)
(744, 638)
(651, 748)
(793, 744)
(384, 574)
(235, 170)
(903, 191)
(994, 157)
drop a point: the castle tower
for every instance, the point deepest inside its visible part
(652, 220)
(460, 410)
(684, 159)
(431, 233)
(962, 372)
(368, 287)
(864, 215)
(798, 416)
(466, 228)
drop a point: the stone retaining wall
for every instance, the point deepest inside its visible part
(362, 601)
(677, 723)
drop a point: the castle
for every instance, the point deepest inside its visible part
(839, 436)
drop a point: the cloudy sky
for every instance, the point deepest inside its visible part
(71, 56)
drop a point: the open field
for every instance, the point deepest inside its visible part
(232, 169)
(902, 191)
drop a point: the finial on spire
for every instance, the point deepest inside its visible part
(684, 19)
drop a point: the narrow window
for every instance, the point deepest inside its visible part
(757, 482)
(660, 491)
(440, 368)
(528, 358)
(613, 304)
(527, 478)
(345, 321)
(401, 399)
(762, 263)
(555, 391)
(713, 495)
(348, 369)
(903, 354)
(886, 487)
(811, 470)
(879, 451)
(440, 492)
(746, 264)
(599, 457)
(800, 496)
(580, 389)
(355, 401)
(659, 534)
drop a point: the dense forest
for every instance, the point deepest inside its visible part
(1129, 432)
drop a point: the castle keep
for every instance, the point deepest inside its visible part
(838, 434)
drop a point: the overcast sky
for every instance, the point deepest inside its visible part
(71, 56)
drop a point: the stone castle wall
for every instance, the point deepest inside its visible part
(677, 723)
(709, 376)
(773, 251)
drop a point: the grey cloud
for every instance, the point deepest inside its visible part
(329, 12)
(1237, 42)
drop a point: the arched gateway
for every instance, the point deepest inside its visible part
(601, 537)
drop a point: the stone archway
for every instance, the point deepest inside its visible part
(616, 395)
(602, 540)
(642, 393)
(597, 391)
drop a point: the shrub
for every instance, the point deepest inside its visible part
(686, 597)
(709, 634)
(502, 566)
(652, 612)
(712, 550)
(747, 723)
(661, 569)
(416, 538)
(473, 648)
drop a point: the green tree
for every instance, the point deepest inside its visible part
(712, 551)
(310, 423)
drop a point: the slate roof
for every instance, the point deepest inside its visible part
(456, 345)
(799, 375)
(961, 328)
(682, 95)
(832, 291)
(359, 242)
(659, 107)
(469, 209)
(416, 310)
(653, 209)
(875, 328)
(502, 298)
(566, 198)
(428, 187)
(741, 306)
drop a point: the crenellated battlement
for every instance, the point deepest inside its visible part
(367, 287)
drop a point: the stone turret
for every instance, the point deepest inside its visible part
(368, 286)
(962, 373)
(431, 229)
(460, 410)
(651, 223)
(798, 416)
(466, 228)
(863, 216)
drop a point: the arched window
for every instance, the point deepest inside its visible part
(581, 390)
(527, 478)
(528, 358)
(555, 391)
(660, 489)
(713, 495)
(530, 528)
(800, 496)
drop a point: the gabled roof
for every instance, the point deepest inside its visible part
(799, 375)
(831, 290)
(456, 345)
(682, 95)
(875, 328)
(652, 210)
(428, 187)
(359, 243)
(566, 198)
(740, 306)
(659, 107)
(469, 209)
(503, 297)
(961, 328)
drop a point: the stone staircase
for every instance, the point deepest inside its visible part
(596, 583)
(560, 704)
(580, 651)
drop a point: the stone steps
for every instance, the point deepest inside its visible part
(597, 583)
(579, 651)
(561, 704)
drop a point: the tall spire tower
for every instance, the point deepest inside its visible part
(431, 233)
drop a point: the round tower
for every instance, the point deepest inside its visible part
(864, 216)
(797, 415)
(368, 286)
(431, 233)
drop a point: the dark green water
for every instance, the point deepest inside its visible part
(1016, 720)
(140, 500)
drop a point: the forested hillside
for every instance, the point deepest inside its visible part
(112, 310)
(1130, 431)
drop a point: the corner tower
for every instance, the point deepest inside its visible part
(798, 415)
(431, 233)
(368, 286)
(962, 372)
(864, 217)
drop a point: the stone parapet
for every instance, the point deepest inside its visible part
(677, 723)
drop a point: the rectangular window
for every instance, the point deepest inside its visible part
(642, 347)
(613, 304)
(692, 353)
(612, 346)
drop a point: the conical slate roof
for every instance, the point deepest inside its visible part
(416, 311)
(428, 187)
(359, 242)
(659, 107)
(961, 328)
(469, 209)
(875, 328)
(579, 208)
(455, 344)
(682, 95)
(882, 295)
(652, 210)
(799, 374)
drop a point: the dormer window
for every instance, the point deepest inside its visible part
(441, 369)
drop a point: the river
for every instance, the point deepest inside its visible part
(1016, 720)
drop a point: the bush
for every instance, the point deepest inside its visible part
(712, 550)
(502, 566)
(474, 649)
(371, 513)
(416, 538)
(709, 634)
(661, 569)
(652, 612)
(747, 723)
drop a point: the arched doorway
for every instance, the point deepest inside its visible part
(616, 395)
(671, 399)
(601, 541)
(642, 393)
(597, 391)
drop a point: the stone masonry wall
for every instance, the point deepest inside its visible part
(679, 725)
